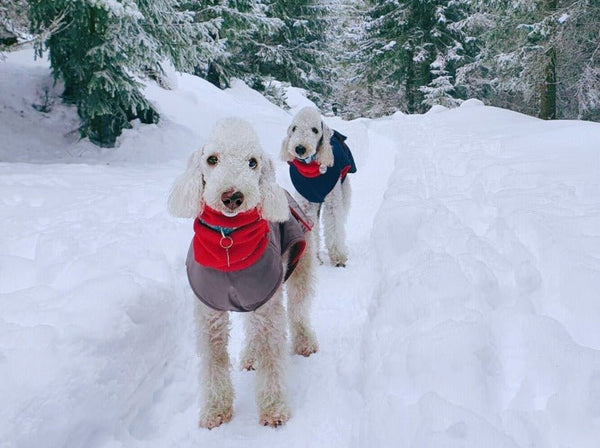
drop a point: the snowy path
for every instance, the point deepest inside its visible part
(94, 255)
(324, 389)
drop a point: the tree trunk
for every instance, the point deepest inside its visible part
(409, 83)
(213, 76)
(548, 86)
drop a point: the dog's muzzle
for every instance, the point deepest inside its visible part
(308, 159)
(232, 199)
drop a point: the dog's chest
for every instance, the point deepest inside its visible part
(251, 287)
(316, 188)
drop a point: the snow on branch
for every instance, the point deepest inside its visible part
(57, 24)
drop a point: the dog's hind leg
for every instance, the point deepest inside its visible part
(212, 339)
(268, 330)
(334, 221)
(300, 291)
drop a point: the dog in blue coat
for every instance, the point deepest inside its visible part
(319, 163)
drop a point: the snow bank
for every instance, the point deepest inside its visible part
(296, 99)
(484, 329)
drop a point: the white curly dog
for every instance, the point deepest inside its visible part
(229, 188)
(319, 162)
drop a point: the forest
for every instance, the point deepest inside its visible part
(356, 58)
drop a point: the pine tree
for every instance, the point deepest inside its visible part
(579, 49)
(102, 48)
(346, 35)
(440, 90)
(411, 43)
(14, 16)
(542, 56)
(230, 30)
(261, 41)
(296, 51)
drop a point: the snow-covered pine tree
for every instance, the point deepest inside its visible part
(103, 46)
(233, 29)
(543, 56)
(296, 52)
(207, 26)
(14, 18)
(440, 90)
(384, 65)
(345, 37)
(579, 52)
(455, 47)
(519, 52)
(409, 44)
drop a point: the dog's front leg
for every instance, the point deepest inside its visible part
(267, 328)
(212, 340)
(250, 352)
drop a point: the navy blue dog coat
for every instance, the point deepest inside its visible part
(313, 185)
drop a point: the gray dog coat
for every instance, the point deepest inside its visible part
(252, 287)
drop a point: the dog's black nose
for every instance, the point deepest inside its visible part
(232, 199)
(300, 150)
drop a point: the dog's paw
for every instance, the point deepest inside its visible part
(306, 349)
(212, 419)
(248, 364)
(249, 357)
(339, 260)
(305, 343)
(274, 419)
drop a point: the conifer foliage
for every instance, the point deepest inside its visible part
(263, 40)
(415, 48)
(101, 49)
(296, 52)
(543, 56)
(13, 21)
(228, 33)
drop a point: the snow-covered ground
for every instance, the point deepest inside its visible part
(468, 315)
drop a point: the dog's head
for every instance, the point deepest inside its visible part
(308, 138)
(231, 174)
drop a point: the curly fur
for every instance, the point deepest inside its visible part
(233, 142)
(334, 210)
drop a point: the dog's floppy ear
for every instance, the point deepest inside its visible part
(274, 205)
(185, 200)
(285, 154)
(325, 152)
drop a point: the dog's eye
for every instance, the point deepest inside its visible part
(294, 129)
(212, 160)
(315, 130)
(252, 163)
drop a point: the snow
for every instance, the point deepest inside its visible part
(296, 99)
(472, 102)
(389, 45)
(437, 108)
(467, 316)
